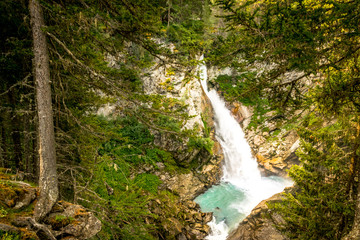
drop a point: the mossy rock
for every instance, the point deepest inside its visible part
(59, 221)
(9, 194)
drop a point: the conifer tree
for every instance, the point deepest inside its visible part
(48, 181)
(318, 40)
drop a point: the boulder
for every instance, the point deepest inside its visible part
(260, 223)
(187, 186)
(28, 196)
(241, 113)
(74, 220)
(17, 194)
(9, 228)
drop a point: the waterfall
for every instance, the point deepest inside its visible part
(242, 187)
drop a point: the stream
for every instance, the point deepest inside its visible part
(241, 187)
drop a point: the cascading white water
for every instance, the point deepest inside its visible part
(241, 187)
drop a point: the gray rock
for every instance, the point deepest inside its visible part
(30, 195)
(257, 225)
(84, 224)
(258, 140)
(21, 222)
(8, 228)
(181, 236)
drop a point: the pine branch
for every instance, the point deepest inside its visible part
(20, 83)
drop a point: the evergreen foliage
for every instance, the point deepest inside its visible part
(99, 50)
(98, 53)
(307, 54)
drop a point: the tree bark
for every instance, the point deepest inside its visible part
(48, 182)
(354, 234)
(2, 159)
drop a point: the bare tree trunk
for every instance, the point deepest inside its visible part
(354, 234)
(48, 182)
(2, 159)
(169, 12)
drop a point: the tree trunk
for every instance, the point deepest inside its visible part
(354, 234)
(169, 12)
(2, 158)
(48, 182)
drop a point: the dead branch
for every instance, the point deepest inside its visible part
(21, 83)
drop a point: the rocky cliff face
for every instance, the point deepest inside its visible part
(181, 83)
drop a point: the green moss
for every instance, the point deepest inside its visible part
(149, 182)
(3, 212)
(9, 236)
(60, 221)
(201, 143)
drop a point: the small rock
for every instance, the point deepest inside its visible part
(270, 114)
(191, 204)
(195, 234)
(207, 217)
(278, 163)
(198, 226)
(198, 217)
(206, 229)
(160, 165)
(8, 228)
(69, 238)
(181, 236)
(260, 158)
(258, 140)
(30, 195)
(20, 222)
(208, 168)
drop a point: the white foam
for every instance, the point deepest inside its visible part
(240, 168)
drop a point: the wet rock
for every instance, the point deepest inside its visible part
(198, 217)
(207, 217)
(208, 168)
(196, 234)
(260, 223)
(191, 204)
